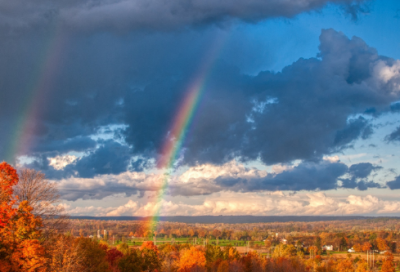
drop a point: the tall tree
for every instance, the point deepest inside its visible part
(42, 195)
(20, 249)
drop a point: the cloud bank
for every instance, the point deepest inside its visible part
(142, 15)
(231, 177)
(252, 204)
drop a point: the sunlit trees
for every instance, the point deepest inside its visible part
(20, 249)
(124, 248)
(192, 259)
(357, 247)
(366, 246)
(362, 266)
(381, 244)
(388, 263)
(63, 254)
(345, 265)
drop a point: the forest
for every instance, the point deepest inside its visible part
(36, 234)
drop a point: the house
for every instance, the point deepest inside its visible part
(351, 250)
(284, 241)
(327, 247)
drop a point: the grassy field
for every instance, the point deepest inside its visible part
(236, 243)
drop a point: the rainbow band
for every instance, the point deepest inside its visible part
(38, 87)
(180, 127)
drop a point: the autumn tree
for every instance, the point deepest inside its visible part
(64, 254)
(113, 256)
(20, 249)
(124, 248)
(381, 244)
(388, 263)
(151, 260)
(93, 255)
(357, 248)
(345, 265)
(366, 246)
(42, 195)
(223, 267)
(131, 262)
(192, 259)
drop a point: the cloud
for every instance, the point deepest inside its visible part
(151, 14)
(394, 136)
(209, 179)
(311, 109)
(394, 184)
(60, 162)
(255, 204)
(362, 170)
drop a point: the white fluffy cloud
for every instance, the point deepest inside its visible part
(277, 203)
(388, 74)
(59, 162)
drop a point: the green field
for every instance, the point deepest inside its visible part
(198, 241)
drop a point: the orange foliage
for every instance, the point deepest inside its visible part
(382, 245)
(148, 245)
(388, 264)
(366, 246)
(345, 266)
(19, 229)
(357, 247)
(190, 258)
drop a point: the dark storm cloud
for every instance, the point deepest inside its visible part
(151, 14)
(394, 184)
(109, 157)
(353, 130)
(77, 144)
(306, 176)
(394, 136)
(359, 172)
(300, 113)
(72, 192)
(309, 109)
(360, 185)
(362, 170)
(309, 176)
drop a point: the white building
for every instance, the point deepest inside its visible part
(328, 247)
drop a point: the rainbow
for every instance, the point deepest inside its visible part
(38, 87)
(178, 131)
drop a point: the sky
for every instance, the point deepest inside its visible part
(200, 107)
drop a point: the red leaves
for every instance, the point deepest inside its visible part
(8, 178)
(113, 255)
(19, 228)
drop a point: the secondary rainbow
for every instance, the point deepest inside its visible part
(179, 129)
(42, 78)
